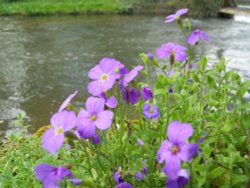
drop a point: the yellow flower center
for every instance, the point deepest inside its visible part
(117, 70)
(59, 130)
(175, 149)
(93, 118)
(104, 77)
(151, 111)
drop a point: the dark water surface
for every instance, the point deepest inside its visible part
(44, 59)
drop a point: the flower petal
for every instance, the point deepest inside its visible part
(87, 131)
(172, 167)
(95, 73)
(187, 151)
(204, 36)
(170, 18)
(62, 172)
(108, 65)
(172, 183)
(132, 74)
(139, 176)
(146, 93)
(67, 101)
(69, 120)
(104, 119)
(83, 119)
(76, 181)
(180, 56)
(51, 181)
(95, 87)
(133, 95)
(124, 185)
(57, 120)
(146, 111)
(51, 141)
(42, 171)
(192, 38)
(164, 151)
(111, 102)
(96, 139)
(181, 11)
(94, 105)
(178, 132)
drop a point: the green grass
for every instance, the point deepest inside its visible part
(19, 155)
(57, 7)
(47, 7)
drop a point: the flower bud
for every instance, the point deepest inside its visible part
(172, 58)
(146, 93)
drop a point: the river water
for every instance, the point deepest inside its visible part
(44, 59)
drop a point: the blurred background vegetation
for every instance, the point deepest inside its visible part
(47, 7)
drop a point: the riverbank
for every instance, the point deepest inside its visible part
(56, 7)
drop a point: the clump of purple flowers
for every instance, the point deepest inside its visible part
(89, 122)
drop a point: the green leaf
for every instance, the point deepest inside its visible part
(239, 179)
(211, 82)
(216, 172)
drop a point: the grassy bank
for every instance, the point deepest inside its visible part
(48, 7)
(54, 7)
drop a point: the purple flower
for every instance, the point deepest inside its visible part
(104, 75)
(131, 95)
(150, 111)
(110, 102)
(177, 148)
(180, 182)
(95, 139)
(50, 176)
(127, 78)
(120, 181)
(118, 176)
(170, 89)
(146, 93)
(140, 174)
(178, 52)
(67, 101)
(61, 122)
(171, 73)
(150, 56)
(201, 139)
(195, 35)
(124, 185)
(173, 17)
(191, 66)
(140, 142)
(94, 116)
